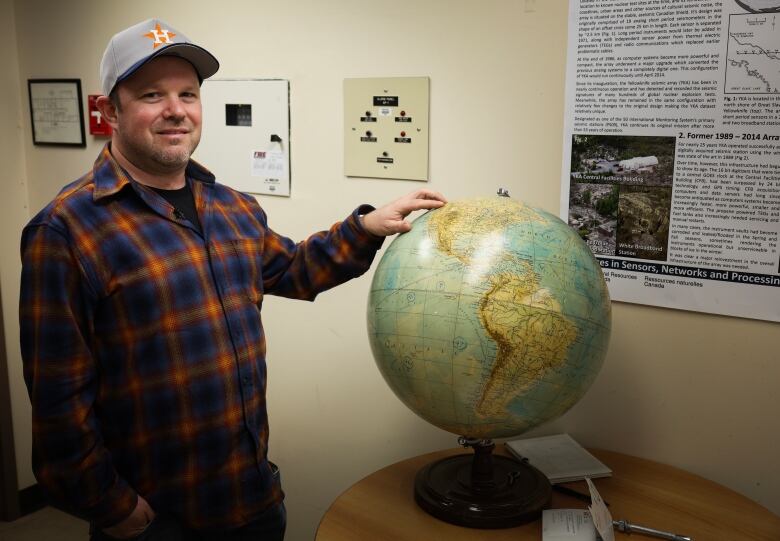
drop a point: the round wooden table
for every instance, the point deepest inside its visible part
(381, 506)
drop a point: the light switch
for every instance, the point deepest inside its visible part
(386, 128)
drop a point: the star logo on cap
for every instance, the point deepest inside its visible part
(160, 36)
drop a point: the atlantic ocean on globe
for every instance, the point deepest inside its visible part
(489, 317)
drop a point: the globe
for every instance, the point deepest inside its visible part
(489, 317)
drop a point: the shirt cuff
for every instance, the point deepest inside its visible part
(362, 210)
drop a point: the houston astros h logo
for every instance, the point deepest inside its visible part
(160, 36)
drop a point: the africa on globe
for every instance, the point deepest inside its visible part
(489, 317)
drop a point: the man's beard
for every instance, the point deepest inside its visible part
(162, 158)
(172, 157)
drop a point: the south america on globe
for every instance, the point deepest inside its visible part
(489, 317)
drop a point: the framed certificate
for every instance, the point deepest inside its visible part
(56, 112)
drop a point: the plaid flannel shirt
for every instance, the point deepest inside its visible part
(143, 348)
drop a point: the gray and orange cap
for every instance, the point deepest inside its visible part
(135, 46)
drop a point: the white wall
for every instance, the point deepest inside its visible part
(14, 213)
(693, 390)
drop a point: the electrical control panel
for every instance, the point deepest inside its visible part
(386, 128)
(246, 134)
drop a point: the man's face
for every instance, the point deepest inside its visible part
(159, 115)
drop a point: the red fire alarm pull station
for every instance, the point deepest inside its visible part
(97, 126)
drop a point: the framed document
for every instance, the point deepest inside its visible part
(56, 112)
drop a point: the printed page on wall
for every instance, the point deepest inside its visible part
(671, 164)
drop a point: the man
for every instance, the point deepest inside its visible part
(142, 284)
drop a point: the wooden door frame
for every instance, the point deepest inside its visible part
(9, 486)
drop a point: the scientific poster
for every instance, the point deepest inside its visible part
(671, 165)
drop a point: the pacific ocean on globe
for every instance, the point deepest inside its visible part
(489, 317)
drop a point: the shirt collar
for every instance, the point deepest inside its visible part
(110, 178)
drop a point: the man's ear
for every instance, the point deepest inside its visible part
(108, 111)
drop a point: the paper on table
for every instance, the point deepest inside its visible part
(559, 457)
(567, 525)
(602, 518)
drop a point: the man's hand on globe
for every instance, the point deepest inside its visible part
(389, 219)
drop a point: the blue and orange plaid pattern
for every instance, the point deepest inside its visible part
(143, 348)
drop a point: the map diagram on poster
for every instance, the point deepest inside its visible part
(753, 65)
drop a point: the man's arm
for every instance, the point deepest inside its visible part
(55, 310)
(345, 251)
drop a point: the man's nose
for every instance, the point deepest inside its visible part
(174, 108)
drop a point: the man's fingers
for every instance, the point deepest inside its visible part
(403, 227)
(429, 195)
(419, 204)
(389, 219)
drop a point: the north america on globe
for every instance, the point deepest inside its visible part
(489, 317)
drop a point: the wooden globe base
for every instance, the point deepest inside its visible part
(482, 490)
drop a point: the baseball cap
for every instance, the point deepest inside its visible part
(135, 46)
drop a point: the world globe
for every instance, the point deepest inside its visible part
(487, 319)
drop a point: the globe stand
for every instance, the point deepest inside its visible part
(482, 490)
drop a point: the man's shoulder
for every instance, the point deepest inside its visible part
(225, 191)
(70, 201)
(228, 195)
(222, 192)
